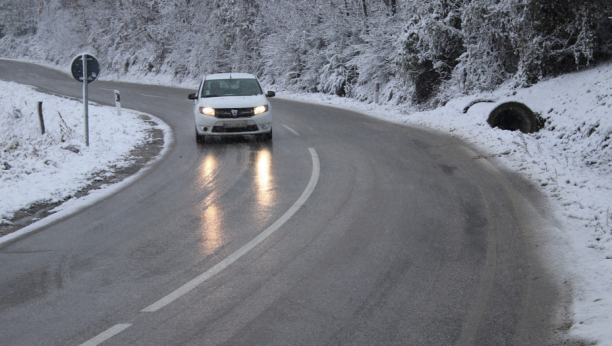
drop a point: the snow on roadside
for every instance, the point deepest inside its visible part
(54, 166)
(570, 159)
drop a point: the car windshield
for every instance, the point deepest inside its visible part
(231, 87)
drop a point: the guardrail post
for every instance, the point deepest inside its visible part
(41, 121)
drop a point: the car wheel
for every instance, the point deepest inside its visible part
(199, 138)
(266, 136)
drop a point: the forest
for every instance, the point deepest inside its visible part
(420, 52)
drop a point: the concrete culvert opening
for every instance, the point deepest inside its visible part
(515, 116)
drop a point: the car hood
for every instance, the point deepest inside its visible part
(234, 101)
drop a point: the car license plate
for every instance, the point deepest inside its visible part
(235, 124)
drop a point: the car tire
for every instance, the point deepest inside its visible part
(266, 136)
(200, 138)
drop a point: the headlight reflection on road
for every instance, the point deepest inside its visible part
(263, 179)
(211, 221)
(212, 232)
(207, 169)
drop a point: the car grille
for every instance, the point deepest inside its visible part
(221, 129)
(226, 113)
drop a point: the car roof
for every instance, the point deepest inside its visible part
(229, 76)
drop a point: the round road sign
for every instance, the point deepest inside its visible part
(93, 68)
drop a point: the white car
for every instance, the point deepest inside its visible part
(232, 104)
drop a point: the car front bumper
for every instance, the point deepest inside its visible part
(211, 126)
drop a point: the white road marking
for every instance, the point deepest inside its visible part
(106, 335)
(157, 97)
(314, 178)
(292, 130)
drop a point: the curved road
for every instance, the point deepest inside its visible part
(406, 239)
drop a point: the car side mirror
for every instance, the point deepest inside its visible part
(192, 96)
(270, 94)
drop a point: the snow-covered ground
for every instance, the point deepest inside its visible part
(36, 168)
(570, 160)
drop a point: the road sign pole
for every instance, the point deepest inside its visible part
(85, 68)
(85, 100)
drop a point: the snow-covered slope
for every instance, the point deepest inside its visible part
(54, 166)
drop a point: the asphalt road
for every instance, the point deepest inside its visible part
(408, 238)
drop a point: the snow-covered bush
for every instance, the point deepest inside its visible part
(313, 48)
(489, 58)
(431, 43)
(374, 60)
(559, 36)
(421, 52)
(18, 18)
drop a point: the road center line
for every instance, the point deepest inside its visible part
(314, 178)
(292, 130)
(106, 335)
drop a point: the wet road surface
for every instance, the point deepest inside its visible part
(407, 238)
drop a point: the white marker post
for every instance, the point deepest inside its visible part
(118, 102)
(376, 92)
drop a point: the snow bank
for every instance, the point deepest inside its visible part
(54, 166)
(570, 159)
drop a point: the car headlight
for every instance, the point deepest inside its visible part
(207, 110)
(260, 109)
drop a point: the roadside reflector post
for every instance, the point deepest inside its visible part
(41, 121)
(376, 92)
(118, 102)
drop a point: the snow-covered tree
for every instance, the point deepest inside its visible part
(431, 43)
(419, 51)
(556, 36)
(489, 58)
(19, 17)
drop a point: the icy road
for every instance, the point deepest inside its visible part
(342, 230)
